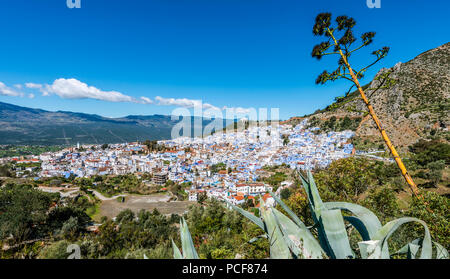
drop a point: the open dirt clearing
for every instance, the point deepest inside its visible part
(111, 208)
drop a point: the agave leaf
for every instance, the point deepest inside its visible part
(370, 249)
(258, 238)
(364, 220)
(441, 252)
(288, 211)
(317, 208)
(301, 238)
(176, 252)
(387, 230)
(313, 195)
(278, 247)
(293, 245)
(336, 234)
(307, 186)
(404, 249)
(187, 244)
(249, 216)
(412, 250)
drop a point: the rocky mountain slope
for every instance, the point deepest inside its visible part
(415, 106)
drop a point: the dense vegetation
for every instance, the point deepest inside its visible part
(35, 224)
(335, 124)
(114, 185)
(379, 187)
(29, 217)
(15, 151)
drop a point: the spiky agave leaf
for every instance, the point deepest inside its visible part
(300, 240)
(387, 230)
(176, 252)
(256, 238)
(315, 204)
(441, 252)
(370, 249)
(330, 224)
(364, 220)
(295, 231)
(288, 211)
(279, 249)
(410, 248)
(312, 193)
(294, 245)
(333, 226)
(187, 244)
(249, 216)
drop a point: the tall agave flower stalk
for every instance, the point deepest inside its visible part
(290, 238)
(344, 48)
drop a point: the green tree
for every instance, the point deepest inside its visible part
(285, 193)
(23, 212)
(346, 179)
(436, 172)
(383, 202)
(438, 221)
(429, 151)
(346, 123)
(202, 197)
(125, 216)
(56, 250)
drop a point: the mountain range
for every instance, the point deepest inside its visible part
(28, 126)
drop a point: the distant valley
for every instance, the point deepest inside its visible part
(27, 126)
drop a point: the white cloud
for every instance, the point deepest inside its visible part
(31, 96)
(75, 89)
(33, 85)
(145, 100)
(8, 91)
(239, 110)
(183, 102)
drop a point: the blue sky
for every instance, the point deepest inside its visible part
(233, 53)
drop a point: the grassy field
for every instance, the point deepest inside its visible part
(94, 212)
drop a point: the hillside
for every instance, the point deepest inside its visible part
(415, 106)
(21, 125)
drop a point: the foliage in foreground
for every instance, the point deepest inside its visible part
(290, 238)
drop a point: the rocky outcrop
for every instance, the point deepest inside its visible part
(415, 106)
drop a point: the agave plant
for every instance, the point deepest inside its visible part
(187, 245)
(290, 238)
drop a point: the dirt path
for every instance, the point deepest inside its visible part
(103, 198)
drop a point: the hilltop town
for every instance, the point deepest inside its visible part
(227, 166)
